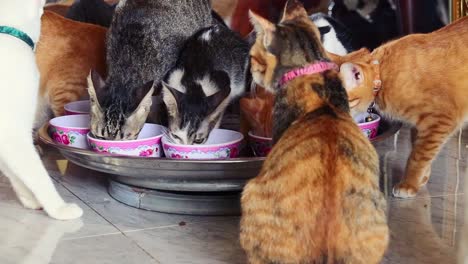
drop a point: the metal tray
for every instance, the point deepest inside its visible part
(177, 175)
(194, 187)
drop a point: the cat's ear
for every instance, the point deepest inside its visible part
(324, 30)
(262, 27)
(218, 101)
(144, 94)
(294, 10)
(95, 87)
(171, 98)
(352, 75)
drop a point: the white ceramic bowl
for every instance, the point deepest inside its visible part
(148, 143)
(70, 130)
(77, 108)
(221, 144)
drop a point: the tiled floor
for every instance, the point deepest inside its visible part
(423, 230)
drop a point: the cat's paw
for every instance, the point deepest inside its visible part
(404, 190)
(30, 203)
(66, 212)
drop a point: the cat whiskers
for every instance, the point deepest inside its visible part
(167, 136)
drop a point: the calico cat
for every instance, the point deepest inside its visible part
(142, 46)
(336, 38)
(19, 79)
(212, 71)
(96, 12)
(418, 88)
(317, 197)
(65, 54)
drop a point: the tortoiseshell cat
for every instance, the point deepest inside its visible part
(424, 81)
(317, 197)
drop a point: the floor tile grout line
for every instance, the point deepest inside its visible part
(150, 228)
(108, 221)
(91, 236)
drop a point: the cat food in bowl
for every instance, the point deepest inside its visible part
(370, 128)
(261, 146)
(221, 144)
(77, 108)
(148, 143)
(70, 130)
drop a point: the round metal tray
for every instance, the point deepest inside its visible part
(195, 187)
(217, 203)
(177, 175)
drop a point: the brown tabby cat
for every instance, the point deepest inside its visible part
(424, 81)
(317, 198)
(66, 52)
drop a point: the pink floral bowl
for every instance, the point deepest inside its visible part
(221, 144)
(148, 143)
(70, 130)
(370, 129)
(77, 108)
(261, 146)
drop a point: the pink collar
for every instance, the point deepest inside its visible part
(307, 70)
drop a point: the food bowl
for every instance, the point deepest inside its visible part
(83, 107)
(148, 143)
(70, 130)
(261, 146)
(370, 129)
(77, 108)
(221, 144)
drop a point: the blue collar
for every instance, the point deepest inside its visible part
(17, 34)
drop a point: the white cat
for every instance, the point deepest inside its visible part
(19, 82)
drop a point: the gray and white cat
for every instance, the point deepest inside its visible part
(335, 37)
(144, 39)
(212, 71)
(19, 82)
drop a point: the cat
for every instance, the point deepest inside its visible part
(96, 12)
(211, 72)
(418, 88)
(317, 197)
(19, 161)
(257, 111)
(371, 22)
(66, 53)
(143, 42)
(335, 37)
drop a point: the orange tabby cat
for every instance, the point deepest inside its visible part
(257, 110)
(317, 198)
(66, 52)
(424, 80)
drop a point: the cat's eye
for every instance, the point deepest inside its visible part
(176, 137)
(199, 141)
